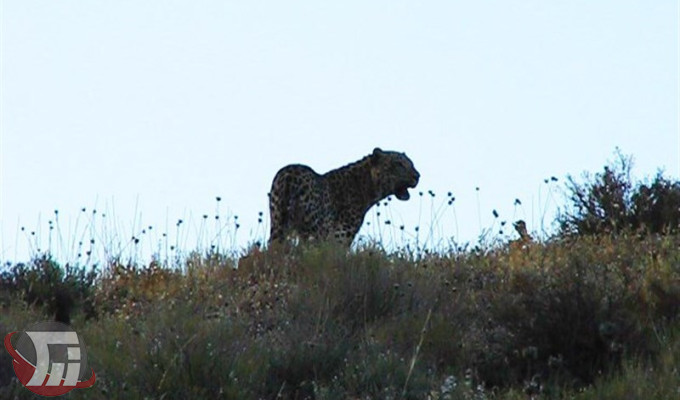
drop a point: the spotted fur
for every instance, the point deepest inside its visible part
(333, 205)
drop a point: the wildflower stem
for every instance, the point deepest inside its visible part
(417, 350)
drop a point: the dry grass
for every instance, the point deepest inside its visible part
(586, 317)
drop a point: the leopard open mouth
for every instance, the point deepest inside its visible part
(402, 193)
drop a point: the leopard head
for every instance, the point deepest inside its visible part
(393, 173)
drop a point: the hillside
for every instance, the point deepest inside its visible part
(588, 317)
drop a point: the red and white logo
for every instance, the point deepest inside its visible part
(50, 359)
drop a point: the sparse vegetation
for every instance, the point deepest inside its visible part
(586, 314)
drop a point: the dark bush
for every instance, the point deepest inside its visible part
(656, 207)
(43, 282)
(610, 202)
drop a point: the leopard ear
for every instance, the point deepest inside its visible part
(377, 155)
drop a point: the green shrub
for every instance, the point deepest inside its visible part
(610, 202)
(43, 282)
(656, 206)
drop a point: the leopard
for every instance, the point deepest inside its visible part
(332, 206)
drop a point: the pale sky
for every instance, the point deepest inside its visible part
(151, 109)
